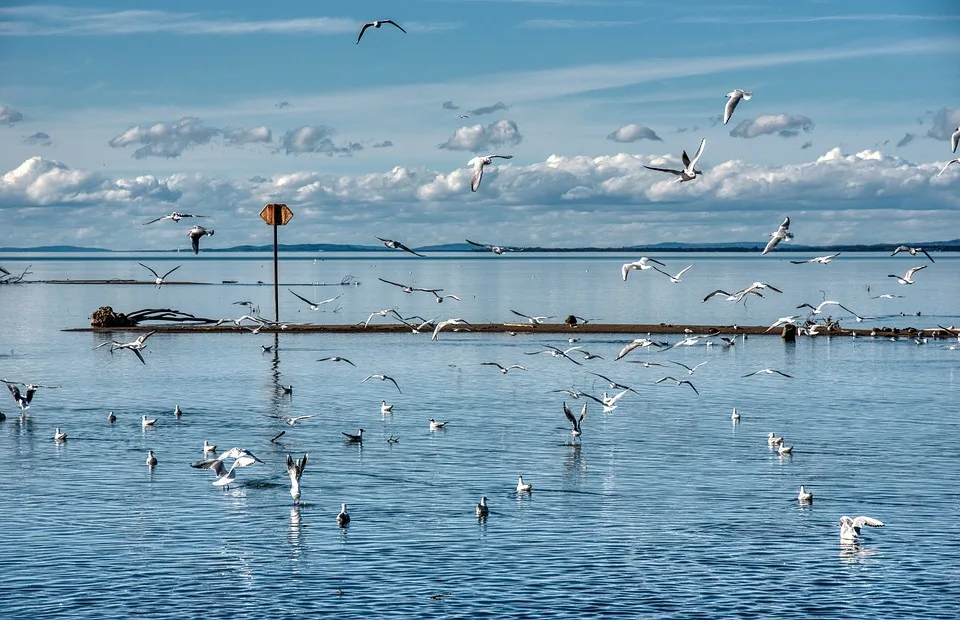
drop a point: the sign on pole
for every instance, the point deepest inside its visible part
(270, 212)
(275, 214)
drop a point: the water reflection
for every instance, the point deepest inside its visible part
(855, 553)
(296, 523)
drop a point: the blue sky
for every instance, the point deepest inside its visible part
(116, 112)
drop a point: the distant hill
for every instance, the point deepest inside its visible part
(55, 248)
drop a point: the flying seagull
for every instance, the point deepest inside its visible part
(377, 24)
(195, 233)
(954, 140)
(396, 245)
(952, 161)
(536, 320)
(638, 342)
(555, 352)
(315, 305)
(678, 382)
(496, 249)
(136, 346)
(908, 277)
(503, 369)
(689, 171)
(383, 378)
(442, 324)
(768, 371)
(295, 469)
(638, 264)
(823, 260)
(336, 358)
(159, 279)
(675, 279)
(912, 252)
(176, 216)
(22, 400)
(780, 235)
(734, 297)
(733, 99)
(478, 164)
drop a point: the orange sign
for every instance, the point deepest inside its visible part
(276, 212)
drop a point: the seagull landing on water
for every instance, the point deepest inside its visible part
(912, 252)
(733, 98)
(781, 234)
(639, 264)
(689, 171)
(850, 527)
(159, 279)
(823, 260)
(22, 400)
(574, 420)
(377, 24)
(176, 216)
(908, 277)
(478, 164)
(195, 234)
(315, 305)
(295, 469)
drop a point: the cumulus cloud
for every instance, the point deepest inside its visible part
(476, 138)
(449, 105)
(42, 182)
(383, 145)
(806, 145)
(906, 139)
(172, 139)
(490, 109)
(9, 116)
(316, 139)
(282, 104)
(784, 125)
(632, 133)
(944, 122)
(38, 139)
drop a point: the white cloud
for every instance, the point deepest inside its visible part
(315, 139)
(38, 139)
(632, 133)
(476, 138)
(172, 139)
(784, 125)
(9, 116)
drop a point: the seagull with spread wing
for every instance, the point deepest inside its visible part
(912, 252)
(733, 98)
(195, 234)
(315, 305)
(908, 277)
(159, 279)
(781, 234)
(478, 164)
(176, 216)
(689, 171)
(383, 377)
(496, 249)
(823, 260)
(136, 346)
(396, 245)
(377, 24)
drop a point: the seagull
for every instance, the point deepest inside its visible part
(573, 420)
(383, 378)
(177, 411)
(224, 479)
(358, 438)
(316, 305)
(396, 245)
(482, 510)
(195, 233)
(392, 440)
(159, 279)
(819, 308)
(411, 289)
(176, 216)
(782, 449)
(887, 296)
(343, 519)
(442, 324)
(136, 346)
(385, 408)
(503, 369)
(295, 469)
(555, 352)
(535, 320)
(773, 440)
(689, 171)
(908, 277)
(638, 342)
(377, 24)
(768, 371)
(59, 435)
(756, 286)
(336, 358)
(496, 249)
(478, 164)
(381, 313)
(639, 264)
(786, 320)
(208, 448)
(735, 416)
(780, 235)
(151, 459)
(292, 421)
(679, 382)
(613, 384)
(146, 423)
(952, 161)
(823, 260)
(735, 297)
(241, 456)
(440, 297)
(689, 370)
(954, 140)
(463, 116)
(675, 279)
(437, 426)
(23, 401)
(265, 349)
(912, 252)
(111, 417)
(850, 527)
(521, 487)
(733, 99)
(610, 402)
(805, 496)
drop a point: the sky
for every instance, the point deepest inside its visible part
(113, 113)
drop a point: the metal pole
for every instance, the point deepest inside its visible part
(276, 281)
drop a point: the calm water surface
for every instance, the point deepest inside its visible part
(665, 509)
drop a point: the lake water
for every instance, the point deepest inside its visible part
(665, 508)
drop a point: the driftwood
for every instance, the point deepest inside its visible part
(8, 278)
(106, 317)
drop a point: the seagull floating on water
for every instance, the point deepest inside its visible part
(781, 234)
(733, 98)
(295, 469)
(358, 438)
(521, 487)
(912, 252)
(208, 448)
(735, 416)
(151, 459)
(773, 440)
(176, 216)
(639, 264)
(805, 496)
(159, 279)
(482, 510)
(195, 234)
(908, 277)
(478, 164)
(437, 426)
(343, 519)
(111, 417)
(385, 408)
(377, 24)
(59, 435)
(850, 527)
(689, 171)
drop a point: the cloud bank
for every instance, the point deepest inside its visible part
(170, 140)
(316, 139)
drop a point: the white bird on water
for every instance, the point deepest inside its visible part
(385, 408)
(850, 527)
(733, 98)
(478, 164)
(689, 171)
(208, 447)
(907, 277)
(639, 264)
(805, 496)
(437, 426)
(177, 411)
(482, 509)
(295, 469)
(59, 435)
(522, 487)
(343, 519)
(735, 416)
(773, 440)
(151, 459)
(146, 423)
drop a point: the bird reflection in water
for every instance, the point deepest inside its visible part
(295, 525)
(575, 461)
(855, 553)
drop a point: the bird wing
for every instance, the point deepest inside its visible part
(682, 271)
(368, 377)
(696, 158)
(685, 158)
(169, 272)
(729, 108)
(501, 156)
(479, 245)
(684, 365)
(751, 374)
(715, 293)
(390, 21)
(143, 338)
(301, 298)
(954, 139)
(520, 314)
(394, 383)
(393, 283)
(163, 217)
(629, 347)
(150, 270)
(139, 355)
(692, 386)
(861, 521)
(771, 244)
(783, 374)
(670, 170)
(477, 175)
(568, 413)
(912, 271)
(406, 249)
(362, 30)
(927, 255)
(195, 243)
(491, 364)
(800, 262)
